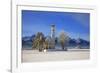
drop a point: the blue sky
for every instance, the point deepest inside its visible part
(74, 24)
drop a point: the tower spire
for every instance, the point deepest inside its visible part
(53, 35)
(52, 31)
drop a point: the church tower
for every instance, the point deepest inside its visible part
(53, 36)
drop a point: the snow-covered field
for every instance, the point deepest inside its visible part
(71, 54)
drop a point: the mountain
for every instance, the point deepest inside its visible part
(27, 41)
(84, 42)
(79, 41)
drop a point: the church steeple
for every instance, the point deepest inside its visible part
(53, 31)
(53, 36)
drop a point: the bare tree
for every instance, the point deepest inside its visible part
(38, 41)
(63, 39)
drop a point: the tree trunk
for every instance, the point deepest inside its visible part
(62, 44)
